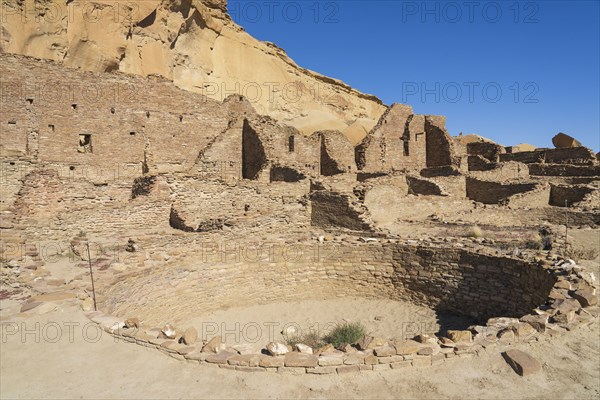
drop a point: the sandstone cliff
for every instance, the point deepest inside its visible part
(195, 44)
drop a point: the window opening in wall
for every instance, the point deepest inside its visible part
(74, 106)
(112, 110)
(30, 100)
(291, 144)
(181, 118)
(132, 133)
(51, 127)
(406, 140)
(85, 143)
(12, 122)
(147, 114)
(417, 136)
(72, 168)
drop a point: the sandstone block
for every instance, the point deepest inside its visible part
(291, 370)
(354, 359)
(562, 140)
(521, 362)
(345, 369)
(330, 360)
(302, 348)
(272, 362)
(460, 336)
(371, 359)
(322, 370)
(190, 335)
(295, 359)
(220, 358)
(384, 351)
(213, 345)
(408, 347)
(538, 322)
(586, 296)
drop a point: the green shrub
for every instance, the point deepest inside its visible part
(348, 332)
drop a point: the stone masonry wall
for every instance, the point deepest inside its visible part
(227, 274)
(46, 112)
(489, 192)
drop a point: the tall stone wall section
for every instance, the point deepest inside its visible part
(47, 110)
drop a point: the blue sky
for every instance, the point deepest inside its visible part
(511, 71)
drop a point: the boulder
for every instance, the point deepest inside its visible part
(190, 335)
(277, 348)
(563, 140)
(302, 348)
(521, 362)
(169, 331)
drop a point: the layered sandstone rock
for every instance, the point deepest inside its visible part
(195, 44)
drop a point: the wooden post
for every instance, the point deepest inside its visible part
(566, 227)
(91, 275)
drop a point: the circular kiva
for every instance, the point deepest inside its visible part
(514, 300)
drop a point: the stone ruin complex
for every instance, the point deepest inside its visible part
(194, 203)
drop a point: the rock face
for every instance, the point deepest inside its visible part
(195, 44)
(563, 140)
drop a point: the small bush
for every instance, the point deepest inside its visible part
(348, 332)
(475, 232)
(312, 339)
(534, 242)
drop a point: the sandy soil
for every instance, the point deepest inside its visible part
(62, 355)
(381, 318)
(82, 365)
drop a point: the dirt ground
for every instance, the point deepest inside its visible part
(99, 367)
(61, 355)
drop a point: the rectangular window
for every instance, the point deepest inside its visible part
(85, 143)
(291, 144)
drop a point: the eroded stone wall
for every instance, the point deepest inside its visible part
(226, 274)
